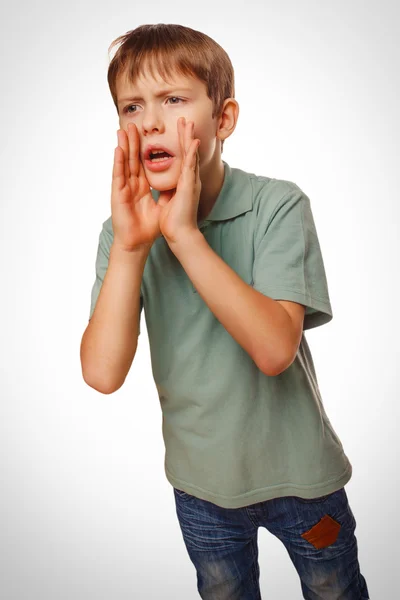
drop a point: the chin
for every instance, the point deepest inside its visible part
(162, 181)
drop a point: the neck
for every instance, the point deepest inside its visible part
(212, 179)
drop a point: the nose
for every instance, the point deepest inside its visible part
(152, 121)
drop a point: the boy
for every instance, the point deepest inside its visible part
(228, 268)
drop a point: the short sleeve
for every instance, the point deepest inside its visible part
(288, 263)
(103, 252)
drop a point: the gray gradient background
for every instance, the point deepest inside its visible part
(86, 511)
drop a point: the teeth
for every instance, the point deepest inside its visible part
(154, 152)
(160, 159)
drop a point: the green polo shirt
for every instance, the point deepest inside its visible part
(233, 435)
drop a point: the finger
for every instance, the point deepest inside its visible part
(181, 125)
(196, 156)
(188, 172)
(118, 173)
(189, 135)
(191, 160)
(197, 167)
(123, 143)
(185, 128)
(133, 159)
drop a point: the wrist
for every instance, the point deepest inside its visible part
(129, 255)
(187, 240)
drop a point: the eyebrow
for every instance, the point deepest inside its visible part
(158, 95)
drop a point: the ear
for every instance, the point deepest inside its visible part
(227, 121)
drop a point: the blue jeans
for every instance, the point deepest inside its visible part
(318, 535)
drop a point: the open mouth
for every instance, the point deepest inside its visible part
(159, 161)
(158, 156)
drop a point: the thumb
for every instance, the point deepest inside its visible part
(165, 197)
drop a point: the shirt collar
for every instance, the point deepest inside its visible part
(235, 197)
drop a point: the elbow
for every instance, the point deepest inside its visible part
(102, 386)
(99, 374)
(278, 365)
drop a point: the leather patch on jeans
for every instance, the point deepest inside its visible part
(324, 533)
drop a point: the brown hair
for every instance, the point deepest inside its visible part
(171, 48)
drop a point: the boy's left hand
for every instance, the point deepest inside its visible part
(178, 216)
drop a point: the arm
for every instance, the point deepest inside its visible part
(268, 330)
(109, 342)
(261, 325)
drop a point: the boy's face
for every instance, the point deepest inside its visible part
(155, 107)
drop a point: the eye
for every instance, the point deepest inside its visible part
(175, 98)
(126, 109)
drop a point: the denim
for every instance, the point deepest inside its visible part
(222, 545)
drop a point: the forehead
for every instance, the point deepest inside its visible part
(148, 83)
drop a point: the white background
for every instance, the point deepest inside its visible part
(86, 511)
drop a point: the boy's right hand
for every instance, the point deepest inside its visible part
(135, 214)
